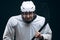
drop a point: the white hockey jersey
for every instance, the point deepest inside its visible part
(17, 29)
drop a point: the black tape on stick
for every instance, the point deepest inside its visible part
(41, 28)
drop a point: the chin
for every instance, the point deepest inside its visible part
(28, 21)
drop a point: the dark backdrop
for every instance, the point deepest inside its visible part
(46, 8)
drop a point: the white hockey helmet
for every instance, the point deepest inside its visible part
(27, 6)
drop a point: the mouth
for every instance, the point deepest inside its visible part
(28, 19)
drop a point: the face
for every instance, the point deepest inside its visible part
(28, 16)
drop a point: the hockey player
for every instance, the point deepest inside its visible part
(27, 25)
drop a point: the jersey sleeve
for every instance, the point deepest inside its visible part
(9, 30)
(47, 32)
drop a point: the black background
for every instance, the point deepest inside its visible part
(46, 8)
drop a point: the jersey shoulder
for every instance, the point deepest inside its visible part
(41, 20)
(14, 20)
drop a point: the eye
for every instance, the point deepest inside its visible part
(30, 12)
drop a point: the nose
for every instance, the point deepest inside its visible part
(28, 16)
